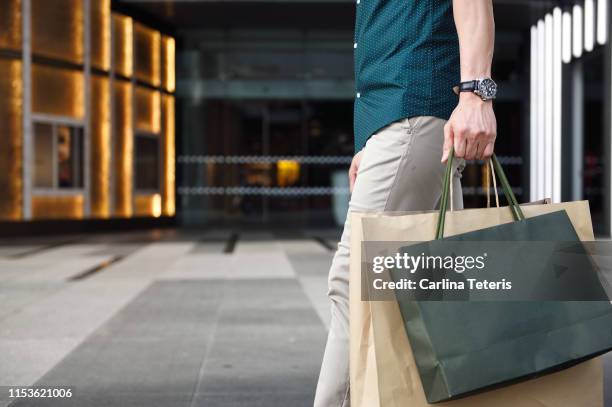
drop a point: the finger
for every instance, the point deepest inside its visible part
(460, 144)
(482, 145)
(471, 148)
(448, 142)
(488, 151)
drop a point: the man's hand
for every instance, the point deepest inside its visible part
(353, 170)
(471, 129)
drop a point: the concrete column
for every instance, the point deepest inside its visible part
(87, 89)
(27, 109)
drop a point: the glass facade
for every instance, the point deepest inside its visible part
(76, 98)
(267, 127)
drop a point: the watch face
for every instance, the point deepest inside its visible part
(487, 89)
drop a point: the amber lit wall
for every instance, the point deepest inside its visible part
(95, 82)
(10, 139)
(123, 151)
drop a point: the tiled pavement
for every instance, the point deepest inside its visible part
(167, 319)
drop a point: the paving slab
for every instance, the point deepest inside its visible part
(150, 353)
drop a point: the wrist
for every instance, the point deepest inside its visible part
(470, 76)
(471, 97)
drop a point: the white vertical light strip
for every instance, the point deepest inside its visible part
(567, 37)
(557, 104)
(589, 25)
(548, 105)
(541, 110)
(533, 115)
(602, 21)
(577, 31)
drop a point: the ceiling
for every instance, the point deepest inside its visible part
(173, 15)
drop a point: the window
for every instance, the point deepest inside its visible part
(58, 156)
(147, 162)
(43, 156)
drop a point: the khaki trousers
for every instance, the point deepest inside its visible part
(400, 171)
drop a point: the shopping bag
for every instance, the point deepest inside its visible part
(364, 379)
(363, 369)
(399, 383)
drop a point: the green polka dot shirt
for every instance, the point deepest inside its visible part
(406, 62)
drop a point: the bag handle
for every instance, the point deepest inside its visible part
(489, 173)
(517, 213)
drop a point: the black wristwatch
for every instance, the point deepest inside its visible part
(486, 88)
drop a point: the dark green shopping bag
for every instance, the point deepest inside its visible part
(462, 348)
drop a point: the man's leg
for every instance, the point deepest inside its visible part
(400, 170)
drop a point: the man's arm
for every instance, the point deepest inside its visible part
(472, 127)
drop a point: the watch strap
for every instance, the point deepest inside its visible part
(468, 86)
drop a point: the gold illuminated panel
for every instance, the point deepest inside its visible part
(123, 142)
(148, 118)
(10, 24)
(168, 63)
(100, 147)
(100, 34)
(148, 205)
(57, 207)
(123, 35)
(57, 29)
(57, 91)
(169, 176)
(10, 140)
(147, 54)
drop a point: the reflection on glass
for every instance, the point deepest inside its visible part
(147, 162)
(69, 157)
(43, 155)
